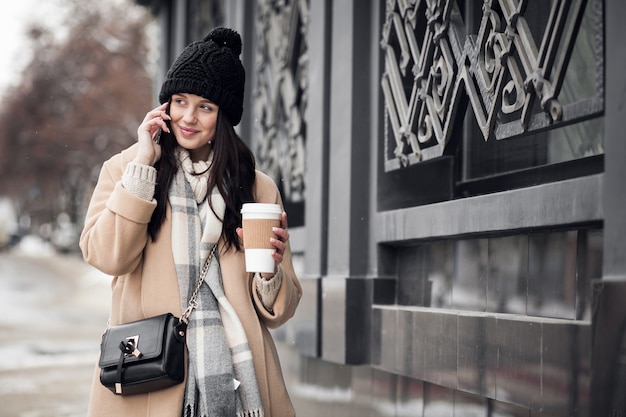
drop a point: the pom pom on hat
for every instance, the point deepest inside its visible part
(225, 37)
(210, 68)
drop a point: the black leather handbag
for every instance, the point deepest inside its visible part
(143, 356)
(147, 355)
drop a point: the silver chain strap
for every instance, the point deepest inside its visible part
(193, 300)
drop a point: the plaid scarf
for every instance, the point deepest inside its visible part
(221, 380)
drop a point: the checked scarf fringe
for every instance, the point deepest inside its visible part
(219, 354)
(188, 413)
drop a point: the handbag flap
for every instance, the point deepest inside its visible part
(148, 333)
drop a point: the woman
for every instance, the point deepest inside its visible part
(158, 209)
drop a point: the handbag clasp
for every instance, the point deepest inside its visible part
(129, 347)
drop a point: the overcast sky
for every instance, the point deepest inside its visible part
(15, 16)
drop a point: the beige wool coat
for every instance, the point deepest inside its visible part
(144, 284)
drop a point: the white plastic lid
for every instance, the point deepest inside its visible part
(261, 208)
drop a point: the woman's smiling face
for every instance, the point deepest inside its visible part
(193, 123)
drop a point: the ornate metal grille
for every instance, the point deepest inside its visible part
(280, 96)
(510, 75)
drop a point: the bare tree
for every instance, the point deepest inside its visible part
(79, 101)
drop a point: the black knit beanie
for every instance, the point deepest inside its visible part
(210, 68)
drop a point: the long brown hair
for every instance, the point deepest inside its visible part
(232, 170)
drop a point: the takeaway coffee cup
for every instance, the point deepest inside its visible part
(257, 222)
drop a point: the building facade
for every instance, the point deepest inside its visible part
(454, 177)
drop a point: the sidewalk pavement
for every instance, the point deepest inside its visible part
(53, 309)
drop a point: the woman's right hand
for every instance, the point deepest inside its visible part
(148, 134)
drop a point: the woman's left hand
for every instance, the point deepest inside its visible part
(279, 243)
(283, 236)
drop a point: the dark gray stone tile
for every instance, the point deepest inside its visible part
(477, 355)
(519, 372)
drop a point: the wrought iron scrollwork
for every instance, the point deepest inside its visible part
(512, 83)
(280, 96)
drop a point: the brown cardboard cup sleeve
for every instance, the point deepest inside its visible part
(258, 219)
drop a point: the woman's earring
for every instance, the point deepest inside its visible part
(210, 142)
